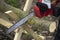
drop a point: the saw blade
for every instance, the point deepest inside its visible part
(19, 23)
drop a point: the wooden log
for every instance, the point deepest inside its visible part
(5, 23)
(32, 33)
(52, 27)
(18, 34)
(19, 31)
(26, 28)
(13, 15)
(28, 5)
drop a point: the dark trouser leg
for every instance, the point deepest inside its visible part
(57, 35)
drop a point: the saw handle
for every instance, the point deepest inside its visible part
(42, 10)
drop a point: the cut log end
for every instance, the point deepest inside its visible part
(7, 12)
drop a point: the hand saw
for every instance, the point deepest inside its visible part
(19, 23)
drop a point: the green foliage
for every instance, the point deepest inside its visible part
(14, 3)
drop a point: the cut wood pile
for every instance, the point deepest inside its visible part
(9, 15)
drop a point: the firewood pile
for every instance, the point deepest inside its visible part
(9, 15)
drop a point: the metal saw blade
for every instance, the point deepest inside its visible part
(19, 23)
